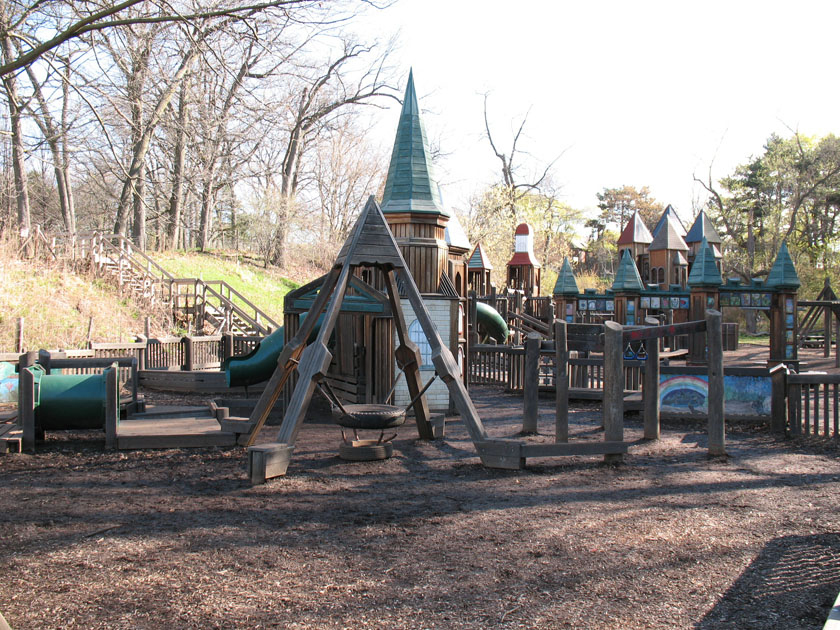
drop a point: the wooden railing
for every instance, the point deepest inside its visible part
(218, 302)
(505, 366)
(813, 404)
(166, 353)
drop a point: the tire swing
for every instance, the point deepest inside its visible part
(371, 417)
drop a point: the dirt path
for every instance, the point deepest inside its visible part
(428, 539)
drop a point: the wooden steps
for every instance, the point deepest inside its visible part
(11, 436)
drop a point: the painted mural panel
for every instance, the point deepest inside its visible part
(688, 394)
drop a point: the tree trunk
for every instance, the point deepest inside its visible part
(207, 198)
(18, 155)
(175, 203)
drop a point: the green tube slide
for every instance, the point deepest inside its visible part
(490, 323)
(69, 401)
(259, 364)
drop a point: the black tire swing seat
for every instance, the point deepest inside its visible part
(375, 417)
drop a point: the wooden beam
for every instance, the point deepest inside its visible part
(531, 392)
(778, 408)
(574, 448)
(26, 408)
(288, 359)
(112, 405)
(650, 389)
(613, 408)
(561, 383)
(445, 364)
(714, 342)
(409, 359)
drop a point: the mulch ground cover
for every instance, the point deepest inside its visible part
(670, 538)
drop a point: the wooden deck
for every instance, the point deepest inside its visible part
(177, 432)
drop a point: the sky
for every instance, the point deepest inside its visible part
(640, 93)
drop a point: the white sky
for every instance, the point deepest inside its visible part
(629, 92)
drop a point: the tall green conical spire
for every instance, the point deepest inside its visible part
(411, 184)
(783, 273)
(566, 282)
(704, 271)
(627, 278)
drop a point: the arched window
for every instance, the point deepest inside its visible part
(416, 334)
(661, 275)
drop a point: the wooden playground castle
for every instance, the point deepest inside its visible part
(397, 322)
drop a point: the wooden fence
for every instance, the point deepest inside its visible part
(505, 366)
(813, 404)
(166, 353)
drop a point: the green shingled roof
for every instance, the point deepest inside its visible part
(704, 271)
(627, 278)
(566, 283)
(411, 185)
(783, 274)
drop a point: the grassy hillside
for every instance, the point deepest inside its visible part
(265, 287)
(57, 305)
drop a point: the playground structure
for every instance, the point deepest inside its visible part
(397, 304)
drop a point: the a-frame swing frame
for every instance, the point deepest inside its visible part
(371, 244)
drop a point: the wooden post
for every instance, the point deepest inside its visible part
(778, 408)
(613, 387)
(827, 326)
(90, 330)
(112, 405)
(188, 353)
(26, 407)
(717, 429)
(650, 388)
(561, 382)
(227, 345)
(19, 335)
(837, 343)
(45, 360)
(531, 387)
(472, 315)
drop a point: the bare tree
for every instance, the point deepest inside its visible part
(514, 183)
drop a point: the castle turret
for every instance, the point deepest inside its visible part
(635, 238)
(411, 202)
(668, 264)
(523, 268)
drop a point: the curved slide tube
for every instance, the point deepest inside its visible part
(490, 323)
(259, 364)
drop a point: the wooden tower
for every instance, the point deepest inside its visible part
(700, 229)
(411, 202)
(668, 264)
(635, 238)
(523, 269)
(478, 271)
(431, 241)
(704, 282)
(784, 333)
(565, 293)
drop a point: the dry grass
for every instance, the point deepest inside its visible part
(59, 306)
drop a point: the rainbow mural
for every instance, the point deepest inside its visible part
(745, 396)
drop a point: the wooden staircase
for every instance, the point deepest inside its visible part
(199, 303)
